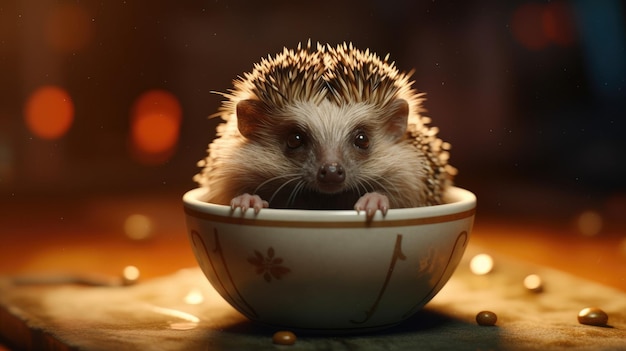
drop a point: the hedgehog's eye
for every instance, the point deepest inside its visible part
(295, 140)
(361, 141)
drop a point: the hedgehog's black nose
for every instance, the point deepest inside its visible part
(331, 173)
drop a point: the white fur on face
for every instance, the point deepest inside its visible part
(330, 125)
(386, 160)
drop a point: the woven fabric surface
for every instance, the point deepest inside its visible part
(183, 312)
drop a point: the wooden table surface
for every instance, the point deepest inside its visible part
(88, 235)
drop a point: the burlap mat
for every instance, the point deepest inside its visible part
(168, 314)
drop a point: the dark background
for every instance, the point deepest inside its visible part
(531, 95)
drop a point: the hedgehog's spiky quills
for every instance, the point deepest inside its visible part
(339, 76)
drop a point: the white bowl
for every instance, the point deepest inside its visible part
(329, 271)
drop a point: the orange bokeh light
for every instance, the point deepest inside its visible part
(68, 28)
(535, 25)
(558, 23)
(155, 125)
(49, 112)
(154, 133)
(527, 26)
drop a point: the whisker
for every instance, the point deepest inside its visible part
(273, 179)
(375, 184)
(294, 193)
(354, 188)
(359, 188)
(393, 189)
(281, 187)
(367, 185)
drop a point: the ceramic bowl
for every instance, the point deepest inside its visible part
(329, 271)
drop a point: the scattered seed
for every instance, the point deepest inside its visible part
(486, 318)
(593, 316)
(284, 337)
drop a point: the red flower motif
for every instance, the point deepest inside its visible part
(269, 266)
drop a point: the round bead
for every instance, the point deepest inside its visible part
(284, 338)
(592, 316)
(486, 318)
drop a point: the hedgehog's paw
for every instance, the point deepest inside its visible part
(246, 201)
(372, 202)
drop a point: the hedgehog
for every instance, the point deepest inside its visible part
(325, 128)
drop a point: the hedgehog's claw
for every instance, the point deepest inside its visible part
(246, 201)
(372, 202)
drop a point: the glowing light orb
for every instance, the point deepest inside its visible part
(527, 26)
(533, 283)
(49, 112)
(130, 275)
(68, 28)
(194, 297)
(138, 227)
(155, 126)
(589, 223)
(481, 264)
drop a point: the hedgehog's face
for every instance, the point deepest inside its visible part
(329, 148)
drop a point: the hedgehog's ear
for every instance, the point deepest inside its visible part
(251, 115)
(397, 114)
